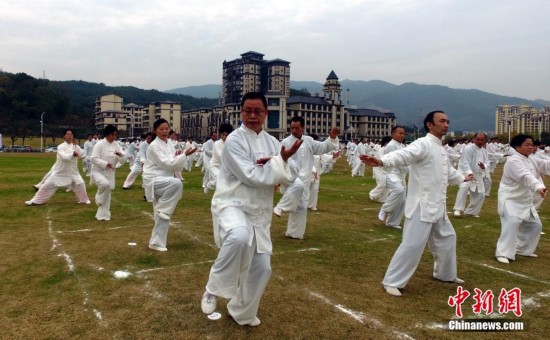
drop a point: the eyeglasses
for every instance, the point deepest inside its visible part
(257, 112)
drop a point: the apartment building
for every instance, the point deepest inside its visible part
(514, 119)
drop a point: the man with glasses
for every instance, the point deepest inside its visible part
(253, 163)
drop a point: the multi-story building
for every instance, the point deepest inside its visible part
(521, 119)
(133, 119)
(321, 114)
(251, 73)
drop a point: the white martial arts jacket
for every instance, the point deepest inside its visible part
(88, 146)
(244, 191)
(207, 149)
(429, 175)
(468, 164)
(518, 184)
(65, 169)
(397, 173)
(161, 162)
(216, 161)
(103, 153)
(304, 156)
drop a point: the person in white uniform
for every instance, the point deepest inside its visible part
(475, 161)
(253, 163)
(106, 155)
(64, 173)
(358, 168)
(322, 164)
(391, 212)
(161, 187)
(88, 146)
(520, 222)
(426, 219)
(296, 196)
(215, 163)
(380, 192)
(137, 168)
(207, 149)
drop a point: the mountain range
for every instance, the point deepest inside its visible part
(468, 109)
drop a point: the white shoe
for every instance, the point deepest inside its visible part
(395, 227)
(163, 215)
(457, 213)
(255, 323)
(503, 259)
(30, 203)
(382, 216)
(458, 281)
(314, 209)
(277, 211)
(542, 233)
(392, 291)
(205, 190)
(87, 202)
(158, 248)
(208, 303)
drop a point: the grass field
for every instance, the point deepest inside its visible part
(59, 268)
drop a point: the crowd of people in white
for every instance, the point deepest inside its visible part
(243, 166)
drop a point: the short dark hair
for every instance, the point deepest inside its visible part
(109, 129)
(254, 95)
(396, 127)
(451, 143)
(67, 130)
(430, 119)
(385, 140)
(225, 128)
(299, 119)
(158, 122)
(519, 139)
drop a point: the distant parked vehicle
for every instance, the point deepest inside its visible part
(51, 149)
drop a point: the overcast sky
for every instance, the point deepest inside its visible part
(498, 46)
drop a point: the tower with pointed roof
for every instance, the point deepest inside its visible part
(331, 90)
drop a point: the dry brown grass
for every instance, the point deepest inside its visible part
(337, 268)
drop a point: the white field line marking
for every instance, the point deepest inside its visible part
(358, 316)
(510, 272)
(73, 231)
(72, 268)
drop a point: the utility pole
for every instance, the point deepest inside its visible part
(42, 131)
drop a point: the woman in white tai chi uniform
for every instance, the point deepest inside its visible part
(520, 222)
(161, 187)
(64, 173)
(106, 154)
(253, 163)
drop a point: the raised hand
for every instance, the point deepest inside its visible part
(370, 160)
(286, 153)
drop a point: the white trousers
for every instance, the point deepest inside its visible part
(441, 239)
(167, 191)
(380, 192)
(314, 193)
(394, 207)
(294, 201)
(358, 169)
(240, 274)
(476, 200)
(48, 189)
(134, 173)
(518, 236)
(103, 195)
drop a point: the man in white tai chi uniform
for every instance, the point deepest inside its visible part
(253, 163)
(296, 196)
(475, 161)
(425, 214)
(393, 208)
